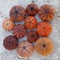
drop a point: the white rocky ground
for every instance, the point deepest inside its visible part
(5, 6)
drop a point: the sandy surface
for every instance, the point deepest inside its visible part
(5, 6)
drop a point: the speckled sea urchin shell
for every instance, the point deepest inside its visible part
(17, 13)
(25, 49)
(10, 42)
(19, 31)
(46, 12)
(44, 46)
(44, 29)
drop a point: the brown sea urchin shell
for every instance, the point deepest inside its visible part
(44, 46)
(32, 9)
(25, 49)
(17, 13)
(46, 12)
(44, 29)
(30, 22)
(19, 31)
(10, 42)
(8, 24)
(32, 36)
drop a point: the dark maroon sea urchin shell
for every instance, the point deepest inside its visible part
(32, 36)
(10, 42)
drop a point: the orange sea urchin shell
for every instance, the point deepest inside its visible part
(44, 29)
(44, 46)
(46, 12)
(8, 24)
(30, 22)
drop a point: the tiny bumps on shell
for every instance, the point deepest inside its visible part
(8, 24)
(19, 31)
(44, 29)
(32, 9)
(30, 22)
(32, 36)
(25, 49)
(46, 12)
(44, 46)
(17, 13)
(10, 42)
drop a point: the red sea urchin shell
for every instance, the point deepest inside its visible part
(10, 42)
(46, 12)
(32, 9)
(19, 31)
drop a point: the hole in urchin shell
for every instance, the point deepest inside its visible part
(7, 24)
(24, 47)
(9, 41)
(44, 45)
(46, 11)
(43, 27)
(31, 8)
(32, 35)
(19, 30)
(16, 12)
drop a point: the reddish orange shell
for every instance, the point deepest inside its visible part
(17, 13)
(25, 49)
(19, 31)
(44, 46)
(8, 24)
(32, 9)
(30, 22)
(44, 29)
(46, 12)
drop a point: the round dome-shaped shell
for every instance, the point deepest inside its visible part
(10, 42)
(44, 46)
(46, 12)
(19, 31)
(30, 22)
(32, 36)
(25, 49)
(8, 24)
(32, 9)
(17, 13)
(44, 29)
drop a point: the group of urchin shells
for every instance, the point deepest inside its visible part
(37, 32)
